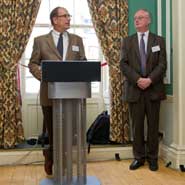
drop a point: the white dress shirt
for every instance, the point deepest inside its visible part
(56, 35)
(145, 37)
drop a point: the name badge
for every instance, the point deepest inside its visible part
(75, 48)
(155, 48)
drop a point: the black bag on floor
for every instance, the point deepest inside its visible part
(98, 132)
(43, 139)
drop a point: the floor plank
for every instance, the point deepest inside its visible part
(108, 172)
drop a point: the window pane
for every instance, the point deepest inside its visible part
(105, 79)
(92, 48)
(36, 32)
(43, 14)
(66, 4)
(27, 73)
(32, 85)
(95, 87)
(82, 15)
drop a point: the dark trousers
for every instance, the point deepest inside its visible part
(48, 124)
(150, 109)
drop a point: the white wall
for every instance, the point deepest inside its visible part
(173, 112)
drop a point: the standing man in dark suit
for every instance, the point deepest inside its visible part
(56, 45)
(143, 63)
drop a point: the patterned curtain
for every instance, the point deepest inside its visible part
(17, 18)
(110, 20)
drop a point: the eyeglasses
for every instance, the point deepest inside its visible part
(65, 16)
(139, 18)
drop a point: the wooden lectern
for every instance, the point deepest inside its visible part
(69, 84)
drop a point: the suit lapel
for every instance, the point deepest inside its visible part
(69, 46)
(52, 46)
(136, 45)
(151, 39)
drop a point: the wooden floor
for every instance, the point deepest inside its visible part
(108, 172)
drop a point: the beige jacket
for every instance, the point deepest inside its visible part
(45, 49)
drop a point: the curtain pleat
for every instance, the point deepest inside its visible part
(17, 18)
(110, 20)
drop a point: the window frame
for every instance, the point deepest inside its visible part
(24, 59)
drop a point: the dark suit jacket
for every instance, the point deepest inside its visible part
(45, 49)
(155, 67)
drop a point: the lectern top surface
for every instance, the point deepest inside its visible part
(71, 71)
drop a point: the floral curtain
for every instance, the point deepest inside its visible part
(110, 20)
(17, 18)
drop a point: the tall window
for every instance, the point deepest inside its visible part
(80, 24)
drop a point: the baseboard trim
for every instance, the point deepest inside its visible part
(100, 154)
(173, 155)
(19, 157)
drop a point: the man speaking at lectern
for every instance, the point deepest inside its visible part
(56, 45)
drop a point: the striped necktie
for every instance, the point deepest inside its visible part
(142, 55)
(60, 45)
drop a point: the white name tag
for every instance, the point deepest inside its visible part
(155, 48)
(75, 48)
